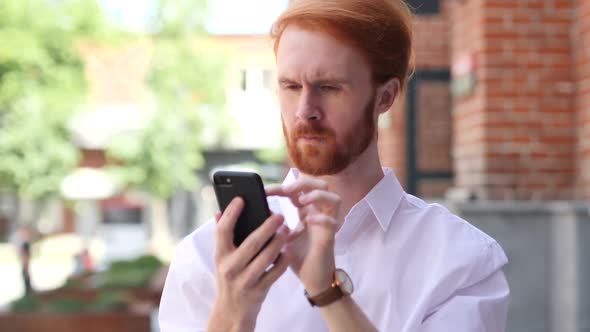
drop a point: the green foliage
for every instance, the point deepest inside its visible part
(108, 301)
(27, 303)
(162, 157)
(187, 86)
(113, 287)
(41, 85)
(135, 273)
(177, 18)
(182, 77)
(65, 305)
(147, 262)
(128, 274)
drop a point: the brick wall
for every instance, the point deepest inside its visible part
(392, 139)
(468, 111)
(434, 137)
(431, 51)
(581, 39)
(434, 125)
(116, 74)
(514, 137)
(93, 158)
(431, 39)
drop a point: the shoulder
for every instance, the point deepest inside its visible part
(440, 224)
(447, 242)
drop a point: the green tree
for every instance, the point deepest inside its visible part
(187, 85)
(41, 85)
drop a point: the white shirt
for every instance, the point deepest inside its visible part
(415, 267)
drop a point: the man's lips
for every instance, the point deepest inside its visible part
(311, 138)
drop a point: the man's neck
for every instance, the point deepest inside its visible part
(355, 181)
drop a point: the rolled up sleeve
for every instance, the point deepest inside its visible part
(480, 306)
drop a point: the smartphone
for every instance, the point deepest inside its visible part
(247, 185)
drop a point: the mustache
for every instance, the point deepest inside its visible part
(312, 129)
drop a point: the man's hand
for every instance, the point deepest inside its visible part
(312, 248)
(243, 274)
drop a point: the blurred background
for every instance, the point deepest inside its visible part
(114, 114)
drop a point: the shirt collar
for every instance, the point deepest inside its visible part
(383, 198)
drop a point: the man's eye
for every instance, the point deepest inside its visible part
(328, 88)
(292, 87)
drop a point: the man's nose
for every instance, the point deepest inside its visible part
(308, 108)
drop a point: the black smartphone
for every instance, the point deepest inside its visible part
(247, 185)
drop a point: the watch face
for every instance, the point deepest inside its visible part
(344, 282)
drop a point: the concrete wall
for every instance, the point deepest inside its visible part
(549, 269)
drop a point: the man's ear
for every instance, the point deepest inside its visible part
(387, 93)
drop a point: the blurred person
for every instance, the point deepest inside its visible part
(83, 263)
(363, 254)
(25, 256)
(22, 239)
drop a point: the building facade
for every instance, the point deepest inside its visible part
(514, 122)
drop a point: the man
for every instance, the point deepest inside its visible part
(360, 254)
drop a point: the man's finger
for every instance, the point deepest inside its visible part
(278, 268)
(305, 184)
(256, 240)
(279, 190)
(267, 256)
(323, 220)
(296, 234)
(274, 190)
(226, 225)
(320, 198)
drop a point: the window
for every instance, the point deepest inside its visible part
(267, 79)
(244, 79)
(256, 79)
(425, 7)
(122, 215)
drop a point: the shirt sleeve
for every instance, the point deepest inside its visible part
(188, 293)
(480, 306)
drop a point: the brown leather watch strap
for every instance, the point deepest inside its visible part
(326, 297)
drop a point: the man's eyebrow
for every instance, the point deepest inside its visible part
(329, 81)
(318, 81)
(286, 80)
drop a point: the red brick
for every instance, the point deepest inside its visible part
(535, 4)
(500, 35)
(501, 5)
(527, 98)
(561, 21)
(562, 4)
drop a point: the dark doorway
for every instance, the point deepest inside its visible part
(429, 133)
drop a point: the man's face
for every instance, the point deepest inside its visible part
(327, 101)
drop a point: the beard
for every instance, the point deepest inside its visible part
(328, 156)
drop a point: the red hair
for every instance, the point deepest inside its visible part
(381, 29)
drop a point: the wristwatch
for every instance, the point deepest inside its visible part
(341, 286)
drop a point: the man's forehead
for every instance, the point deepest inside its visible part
(313, 74)
(316, 54)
